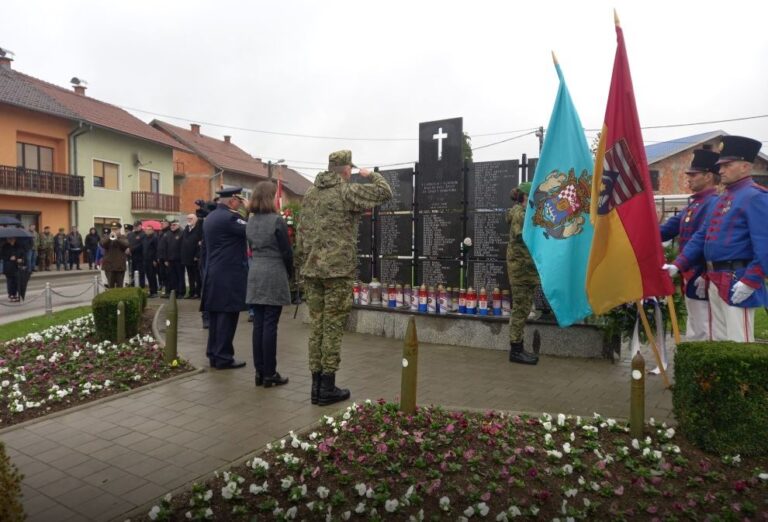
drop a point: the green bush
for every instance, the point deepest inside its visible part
(10, 489)
(105, 311)
(720, 397)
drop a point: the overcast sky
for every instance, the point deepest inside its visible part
(364, 69)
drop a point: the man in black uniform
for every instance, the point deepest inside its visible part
(225, 277)
(162, 273)
(190, 253)
(136, 261)
(174, 270)
(149, 256)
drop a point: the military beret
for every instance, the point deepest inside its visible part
(341, 158)
(738, 148)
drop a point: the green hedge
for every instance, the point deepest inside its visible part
(105, 311)
(11, 509)
(720, 396)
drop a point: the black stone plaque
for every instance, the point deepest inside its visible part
(439, 234)
(488, 275)
(364, 272)
(394, 234)
(433, 272)
(489, 183)
(439, 179)
(364, 235)
(401, 183)
(395, 271)
(490, 234)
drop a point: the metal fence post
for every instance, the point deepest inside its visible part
(95, 286)
(48, 299)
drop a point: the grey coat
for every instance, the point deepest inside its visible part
(268, 271)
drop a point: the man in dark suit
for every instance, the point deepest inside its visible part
(225, 277)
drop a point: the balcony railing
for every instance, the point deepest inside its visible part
(154, 202)
(40, 182)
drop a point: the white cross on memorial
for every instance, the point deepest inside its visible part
(440, 136)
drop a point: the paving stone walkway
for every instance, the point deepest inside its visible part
(105, 460)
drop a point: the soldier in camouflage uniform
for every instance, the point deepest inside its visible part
(523, 277)
(326, 252)
(45, 249)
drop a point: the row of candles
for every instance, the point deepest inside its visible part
(432, 300)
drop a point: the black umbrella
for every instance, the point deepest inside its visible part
(13, 232)
(23, 275)
(7, 220)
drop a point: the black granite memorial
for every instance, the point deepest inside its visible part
(401, 183)
(490, 234)
(364, 270)
(365, 235)
(440, 179)
(490, 182)
(394, 235)
(439, 235)
(395, 271)
(433, 272)
(488, 274)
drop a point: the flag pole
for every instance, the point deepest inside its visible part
(673, 316)
(554, 58)
(616, 18)
(652, 341)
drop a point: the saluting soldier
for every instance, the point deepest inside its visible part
(523, 276)
(224, 277)
(702, 177)
(734, 245)
(327, 251)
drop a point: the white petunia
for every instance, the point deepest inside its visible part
(391, 505)
(560, 419)
(290, 513)
(483, 508)
(154, 512)
(571, 492)
(360, 488)
(287, 482)
(445, 503)
(360, 508)
(322, 491)
(469, 512)
(566, 447)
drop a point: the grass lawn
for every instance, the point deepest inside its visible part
(35, 324)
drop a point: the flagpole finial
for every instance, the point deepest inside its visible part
(554, 58)
(616, 18)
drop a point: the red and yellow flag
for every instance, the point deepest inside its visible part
(626, 255)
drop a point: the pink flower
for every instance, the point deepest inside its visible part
(449, 428)
(381, 447)
(619, 491)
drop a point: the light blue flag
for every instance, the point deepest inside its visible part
(557, 228)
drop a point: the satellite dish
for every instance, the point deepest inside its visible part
(138, 159)
(6, 52)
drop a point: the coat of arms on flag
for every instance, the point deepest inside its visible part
(561, 202)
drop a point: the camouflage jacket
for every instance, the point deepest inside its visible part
(45, 242)
(326, 243)
(517, 251)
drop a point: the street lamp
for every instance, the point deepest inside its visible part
(269, 167)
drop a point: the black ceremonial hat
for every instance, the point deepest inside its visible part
(738, 148)
(704, 160)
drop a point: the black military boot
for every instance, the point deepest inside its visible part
(275, 380)
(315, 394)
(329, 393)
(259, 379)
(518, 355)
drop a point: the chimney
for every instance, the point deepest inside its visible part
(78, 85)
(227, 139)
(5, 58)
(195, 128)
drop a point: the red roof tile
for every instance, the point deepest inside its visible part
(228, 156)
(31, 93)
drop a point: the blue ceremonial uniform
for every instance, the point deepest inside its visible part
(224, 281)
(734, 242)
(684, 225)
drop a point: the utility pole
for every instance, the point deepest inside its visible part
(540, 134)
(269, 167)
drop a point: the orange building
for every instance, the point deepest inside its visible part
(216, 163)
(35, 184)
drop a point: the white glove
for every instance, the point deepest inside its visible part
(741, 292)
(701, 287)
(672, 270)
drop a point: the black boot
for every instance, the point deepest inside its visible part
(315, 393)
(259, 379)
(275, 380)
(329, 393)
(518, 355)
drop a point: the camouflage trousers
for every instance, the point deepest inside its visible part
(523, 281)
(329, 301)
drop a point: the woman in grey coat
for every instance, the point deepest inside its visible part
(270, 268)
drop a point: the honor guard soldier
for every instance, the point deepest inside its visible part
(702, 178)
(225, 277)
(734, 245)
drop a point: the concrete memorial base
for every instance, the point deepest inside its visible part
(476, 331)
